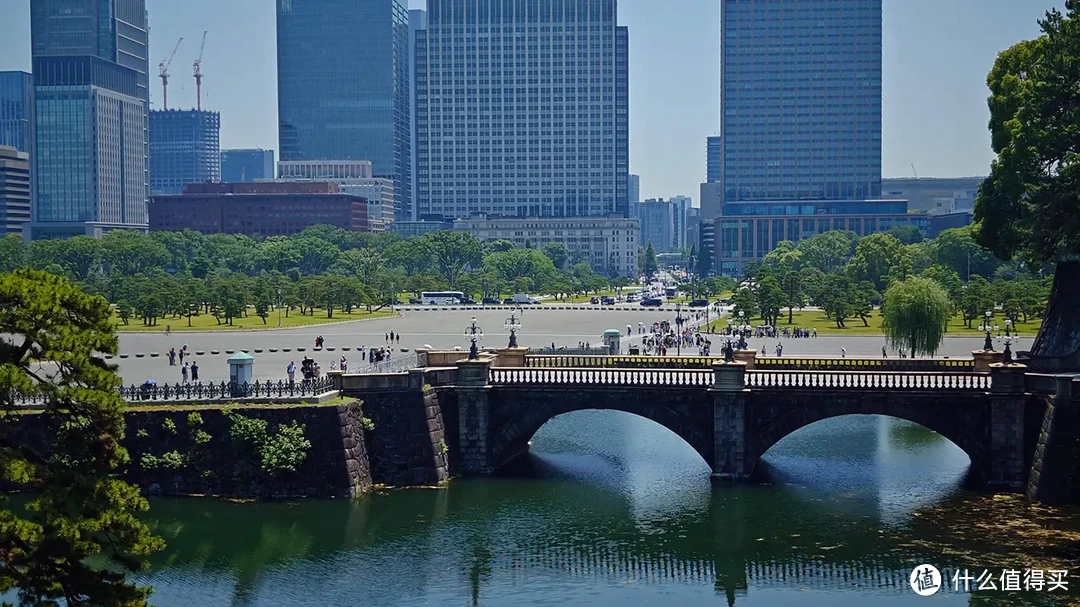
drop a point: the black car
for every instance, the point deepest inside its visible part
(699, 303)
(490, 301)
(652, 302)
(414, 301)
(509, 301)
(468, 301)
(607, 301)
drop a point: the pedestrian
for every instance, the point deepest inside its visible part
(172, 357)
(344, 363)
(183, 372)
(194, 371)
(168, 329)
(883, 353)
(181, 356)
(843, 352)
(398, 336)
(386, 338)
(291, 370)
(318, 370)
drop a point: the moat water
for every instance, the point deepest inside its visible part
(612, 509)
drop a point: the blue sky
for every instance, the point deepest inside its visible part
(936, 56)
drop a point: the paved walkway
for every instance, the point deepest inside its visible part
(444, 330)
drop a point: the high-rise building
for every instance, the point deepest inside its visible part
(17, 111)
(633, 189)
(352, 177)
(417, 22)
(714, 159)
(680, 221)
(91, 77)
(14, 190)
(522, 112)
(184, 148)
(343, 86)
(800, 100)
(238, 166)
(657, 220)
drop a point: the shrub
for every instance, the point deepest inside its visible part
(367, 423)
(285, 450)
(194, 419)
(200, 437)
(172, 460)
(169, 426)
(149, 462)
(141, 433)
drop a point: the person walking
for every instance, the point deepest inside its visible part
(168, 329)
(843, 352)
(291, 370)
(883, 353)
(181, 356)
(398, 337)
(194, 371)
(184, 372)
(172, 357)
(344, 364)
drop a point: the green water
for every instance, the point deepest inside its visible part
(607, 509)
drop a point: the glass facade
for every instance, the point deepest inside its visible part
(522, 109)
(343, 86)
(246, 165)
(184, 148)
(801, 99)
(714, 159)
(17, 111)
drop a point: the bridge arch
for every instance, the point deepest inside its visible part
(964, 425)
(516, 422)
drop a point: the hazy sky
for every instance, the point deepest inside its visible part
(936, 56)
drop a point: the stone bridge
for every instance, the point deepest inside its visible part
(481, 414)
(731, 416)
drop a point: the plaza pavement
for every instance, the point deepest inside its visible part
(444, 329)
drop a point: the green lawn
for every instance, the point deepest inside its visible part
(206, 322)
(811, 319)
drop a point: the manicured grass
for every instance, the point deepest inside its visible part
(811, 319)
(206, 322)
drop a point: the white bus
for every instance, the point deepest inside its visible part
(441, 298)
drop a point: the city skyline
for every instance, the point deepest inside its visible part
(934, 111)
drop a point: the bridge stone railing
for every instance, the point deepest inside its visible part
(753, 379)
(617, 377)
(867, 379)
(784, 363)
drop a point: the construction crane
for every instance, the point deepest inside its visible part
(163, 71)
(914, 171)
(198, 75)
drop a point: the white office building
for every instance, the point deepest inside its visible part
(353, 177)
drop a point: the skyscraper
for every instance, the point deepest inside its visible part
(14, 190)
(17, 110)
(184, 148)
(417, 22)
(522, 109)
(91, 113)
(801, 99)
(246, 165)
(714, 158)
(343, 86)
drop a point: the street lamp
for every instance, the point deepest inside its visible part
(1008, 326)
(741, 325)
(279, 307)
(679, 320)
(473, 333)
(514, 324)
(988, 344)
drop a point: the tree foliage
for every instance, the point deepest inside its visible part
(77, 507)
(916, 315)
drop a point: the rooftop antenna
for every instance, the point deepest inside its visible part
(163, 71)
(198, 75)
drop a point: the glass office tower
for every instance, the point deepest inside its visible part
(801, 99)
(343, 86)
(17, 111)
(246, 165)
(184, 148)
(91, 125)
(522, 109)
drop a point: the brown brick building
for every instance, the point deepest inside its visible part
(258, 209)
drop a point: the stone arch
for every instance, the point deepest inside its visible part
(516, 425)
(962, 423)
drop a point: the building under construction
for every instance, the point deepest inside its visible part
(184, 148)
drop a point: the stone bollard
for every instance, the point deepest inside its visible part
(729, 377)
(746, 357)
(510, 357)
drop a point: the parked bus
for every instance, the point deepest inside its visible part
(441, 298)
(670, 292)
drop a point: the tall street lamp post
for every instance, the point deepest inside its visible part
(514, 324)
(679, 320)
(988, 344)
(474, 333)
(279, 307)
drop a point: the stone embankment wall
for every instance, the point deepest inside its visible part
(173, 452)
(409, 444)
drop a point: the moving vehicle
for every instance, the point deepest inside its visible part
(699, 303)
(523, 298)
(607, 300)
(670, 292)
(468, 301)
(441, 298)
(414, 301)
(594, 300)
(652, 302)
(490, 301)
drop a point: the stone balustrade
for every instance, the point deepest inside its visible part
(756, 362)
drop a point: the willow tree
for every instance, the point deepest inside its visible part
(1029, 206)
(76, 506)
(916, 314)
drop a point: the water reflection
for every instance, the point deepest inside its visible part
(607, 508)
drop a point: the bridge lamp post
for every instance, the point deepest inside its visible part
(679, 320)
(988, 344)
(1008, 326)
(473, 332)
(514, 324)
(742, 326)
